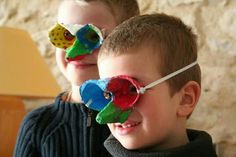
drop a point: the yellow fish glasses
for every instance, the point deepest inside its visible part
(61, 37)
(77, 40)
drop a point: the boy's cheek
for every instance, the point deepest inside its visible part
(111, 127)
(60, 59)
(95, 53)
(59, 50)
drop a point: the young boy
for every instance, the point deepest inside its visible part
(151, 62)
(66, 128)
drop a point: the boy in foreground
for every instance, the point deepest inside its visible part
(149, 71)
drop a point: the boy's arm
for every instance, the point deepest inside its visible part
(25, 145)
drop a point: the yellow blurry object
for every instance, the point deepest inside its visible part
(61, 37)
(23, 74)
(22, 68)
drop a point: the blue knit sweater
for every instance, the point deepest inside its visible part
(61, 129)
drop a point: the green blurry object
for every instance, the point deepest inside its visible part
(112, 114)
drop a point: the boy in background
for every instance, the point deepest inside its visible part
(66, 128)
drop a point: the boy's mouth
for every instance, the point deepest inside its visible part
(77, 58)
(127, 127)
(79, 62)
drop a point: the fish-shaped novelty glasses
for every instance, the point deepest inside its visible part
(115, 97)
(77, 40)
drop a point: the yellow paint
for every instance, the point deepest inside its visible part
(61, 37)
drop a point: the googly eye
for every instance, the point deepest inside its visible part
(68, 35)
(107, 95)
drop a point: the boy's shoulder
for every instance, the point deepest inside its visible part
(36, 119)
(42, 116)
(39, 124)
(38, 113)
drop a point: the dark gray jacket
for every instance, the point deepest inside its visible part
(200, 145)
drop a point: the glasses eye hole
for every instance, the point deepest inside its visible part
(92, 36)
(107, 95)
(68, 35)
(132, 89)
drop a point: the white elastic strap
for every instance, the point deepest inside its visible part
(143, 89)
(89, 103)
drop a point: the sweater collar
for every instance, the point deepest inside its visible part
(200, 145)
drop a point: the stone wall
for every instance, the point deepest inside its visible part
(213, 20)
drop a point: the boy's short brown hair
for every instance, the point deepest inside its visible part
(168, 37)
(121, 9)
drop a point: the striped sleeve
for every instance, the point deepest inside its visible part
(25, 143)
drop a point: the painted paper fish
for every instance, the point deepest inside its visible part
(61, 37)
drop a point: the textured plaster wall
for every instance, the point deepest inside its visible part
(213, 20)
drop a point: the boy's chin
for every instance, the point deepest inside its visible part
(129, 143)
(136, 146)
(130, 146)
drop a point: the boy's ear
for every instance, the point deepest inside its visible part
(190, 94)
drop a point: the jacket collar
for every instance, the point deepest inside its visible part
(200, 145)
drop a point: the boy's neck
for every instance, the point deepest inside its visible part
(75, 95)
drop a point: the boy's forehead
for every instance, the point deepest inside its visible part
(132, 62)
(135, 51)
(71, 12)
